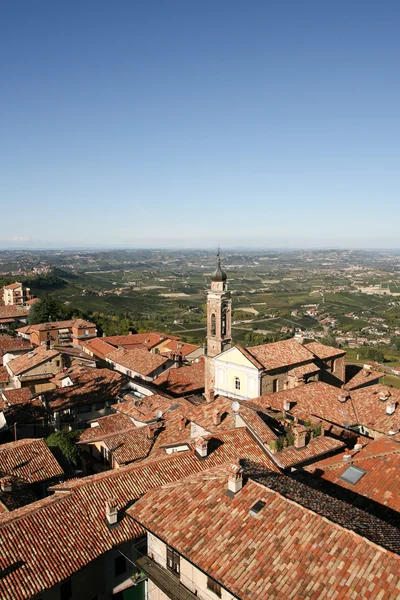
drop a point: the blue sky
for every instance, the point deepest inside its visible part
(179, 124)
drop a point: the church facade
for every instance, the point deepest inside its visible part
(246, 373)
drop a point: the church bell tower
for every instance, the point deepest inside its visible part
(219, 324)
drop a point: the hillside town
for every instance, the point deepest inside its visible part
(144, 466)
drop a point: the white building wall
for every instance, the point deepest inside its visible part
(190, 576)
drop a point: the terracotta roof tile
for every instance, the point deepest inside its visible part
(57, 325)
(30, 460)
(30, 360)
(105, 426)
(279, 354)
(18, 396)
(139, 360)
(146, 409)
(61, 534)
(380, 459)
(249, 555)
(357, 377)
(291, 456)
(184, 380)
(324, 352)
(4, 377)
(10, 344)
(12, 312)
(90, 385)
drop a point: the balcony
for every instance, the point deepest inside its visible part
(165, 580)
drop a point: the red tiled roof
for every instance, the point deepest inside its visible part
(98, 347)
(184, 380)
(371, 411)
(145, 409)
(139, 360)
(61, 534)
(4, 378)
(324, 352)
(129, 446)
(56, 325)
(148, 340)
(13, 286)
(380, 459)
(12, 312)
(291, 456)
(279, 354)
(357, 377)
(316, 399)
(18, 396)
(203, 414)
(256, 424)
(110, 425)
(10, 344)
(91, 385)
(179, 348)
(30, 360)
(284, 551)
(30, 460)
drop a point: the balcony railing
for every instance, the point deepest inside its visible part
(165, 580)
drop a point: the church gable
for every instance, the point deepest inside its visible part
(235, 356)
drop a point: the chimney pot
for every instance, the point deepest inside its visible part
(390, 407)
(111, 511)
(235, 479)
(210, 395)
(347, 456)
(216, 417)
(201, 447)
(151, 434)
(342, 397)
(300, 434)
(182, 423)
(358, 445)
(286, 405)
(384, 395)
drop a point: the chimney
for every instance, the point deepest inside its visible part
(201, 447)
(182, 423)
(342, 396)
(151, 432)
(6, 484)
(235, 480)
(358, 445)
(111, 511)
(216, 417)
(300, 433)
(390, 407)
(347, 456)
(394, 429)
(209, 394)
(384, 395)
(286, 405)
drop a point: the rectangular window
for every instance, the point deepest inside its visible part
(66, 590)
(214, 587)
(129, 373)
(173, 560)
(119, 565)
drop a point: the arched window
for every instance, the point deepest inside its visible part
(237, 383)
(223, 325)
(213, 325)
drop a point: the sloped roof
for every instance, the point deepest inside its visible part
(291, 456)
(280, 354)
(32, 359)
(109, 425)
(91, 385)
(139, 360)
(30, 460)
(316, 399)
(380, 459)
(357, 377)
(12, 312)
(286, 550)
(11, 344)
(184, 380)
(61, 534)
(324, 352)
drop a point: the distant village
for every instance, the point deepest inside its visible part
(202, 471)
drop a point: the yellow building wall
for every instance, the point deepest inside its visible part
(233, 364)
